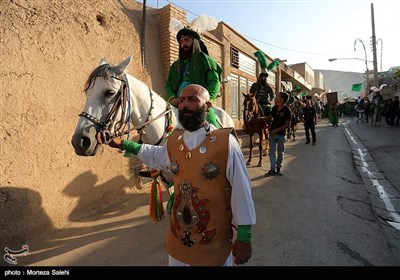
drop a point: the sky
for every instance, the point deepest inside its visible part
(309, 31)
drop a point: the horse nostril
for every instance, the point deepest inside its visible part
(85, 143)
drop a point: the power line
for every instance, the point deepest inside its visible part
(272, 45)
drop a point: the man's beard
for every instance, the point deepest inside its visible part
(185, 53)
(192, 120)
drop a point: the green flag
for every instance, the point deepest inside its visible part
(272, 65)
(262, 59)
(356, 87)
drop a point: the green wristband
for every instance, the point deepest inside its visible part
(244, 233)
(131, 146)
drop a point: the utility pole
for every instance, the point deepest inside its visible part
(376, 82)
(142, 32)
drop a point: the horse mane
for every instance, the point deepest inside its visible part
(103, 70)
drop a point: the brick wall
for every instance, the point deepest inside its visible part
(169, 45)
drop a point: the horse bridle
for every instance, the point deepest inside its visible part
(251, 114)
(104, 135)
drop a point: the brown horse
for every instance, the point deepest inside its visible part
(253, 124)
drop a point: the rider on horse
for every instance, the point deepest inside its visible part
(264, 93)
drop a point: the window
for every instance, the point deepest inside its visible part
(243, 62)
(243, 89)
(235, 96)
(238, 85)
(234, 57)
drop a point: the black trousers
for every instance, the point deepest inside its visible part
(307, 127)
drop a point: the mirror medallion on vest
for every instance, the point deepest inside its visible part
(174, 167)
(210, 170)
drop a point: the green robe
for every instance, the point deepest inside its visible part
(202, 70)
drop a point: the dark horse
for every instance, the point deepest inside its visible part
(254, 124)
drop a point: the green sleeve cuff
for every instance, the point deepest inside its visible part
(131, 146)
(244, 233)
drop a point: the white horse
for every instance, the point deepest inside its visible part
(117, 103)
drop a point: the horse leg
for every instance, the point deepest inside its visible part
(260, 140)
(377, 119)
(266, 151)
(251, 149)
(372, 118)
(293, 131)
(380, 117)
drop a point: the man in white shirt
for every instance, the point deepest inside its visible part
(212, 188)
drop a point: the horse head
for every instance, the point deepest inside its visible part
(250, 107)
(105, 112)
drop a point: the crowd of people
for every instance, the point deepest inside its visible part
(373, 110)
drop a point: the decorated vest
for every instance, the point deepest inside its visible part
(200, 222)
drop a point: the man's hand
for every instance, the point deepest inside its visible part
(116, 142)
(241, 252)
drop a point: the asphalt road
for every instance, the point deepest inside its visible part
(323, 211)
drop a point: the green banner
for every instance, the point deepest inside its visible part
(356, 87)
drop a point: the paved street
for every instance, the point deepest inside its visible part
(326, 210)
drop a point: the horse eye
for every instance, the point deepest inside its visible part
(109, 93)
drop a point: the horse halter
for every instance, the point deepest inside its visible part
(104, 135)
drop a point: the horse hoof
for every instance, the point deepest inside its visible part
(248, 163)
(259, 164)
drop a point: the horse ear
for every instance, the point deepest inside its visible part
(103, 61)
(119, 69)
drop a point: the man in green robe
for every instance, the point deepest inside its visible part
(194, 66)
